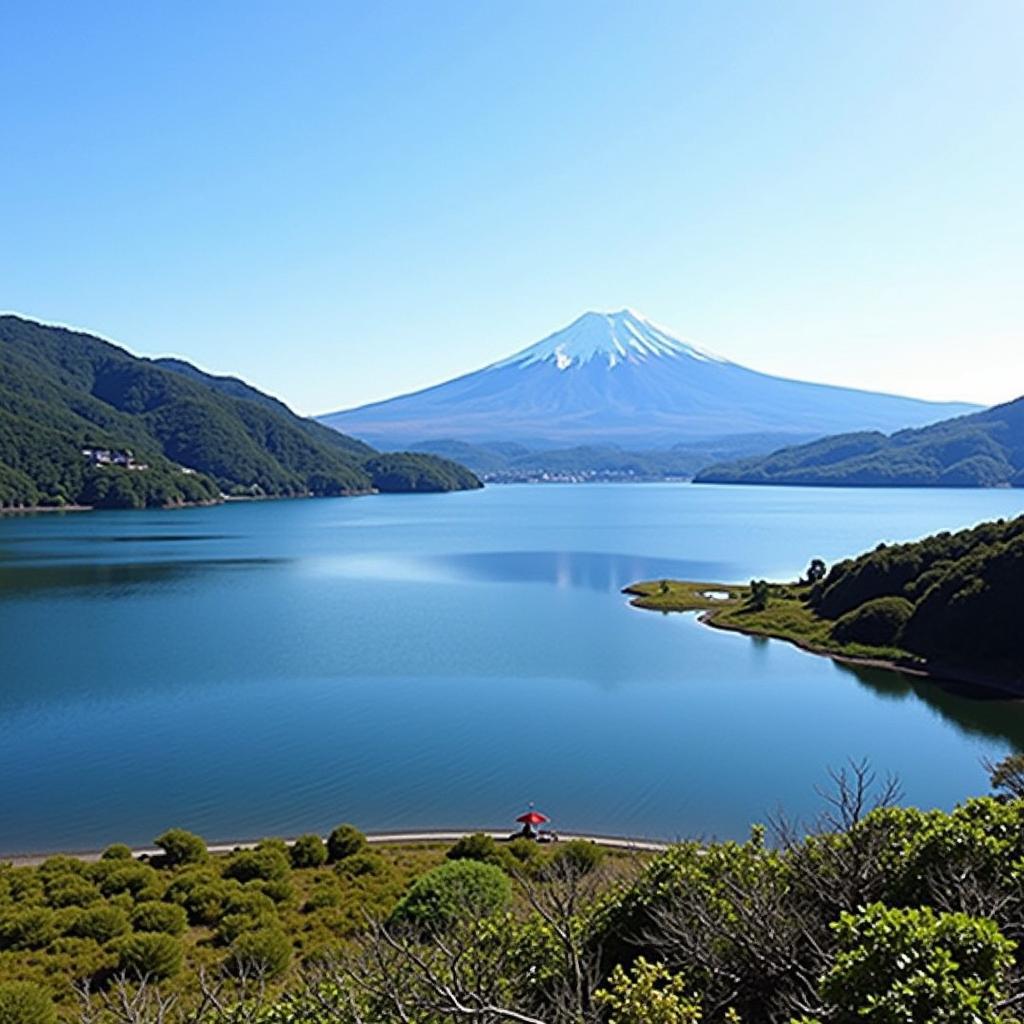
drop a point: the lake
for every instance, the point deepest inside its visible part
(440, 660)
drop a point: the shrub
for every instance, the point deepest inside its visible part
(263, 864)
(280, 890)
(139, 880)
(648, 994)
(459, 888)
(101, 923)
(479, 846)
(181, 847)
(878, 622)
(359, 864)
(578, 856)
(308, 852)
(263, 953)
(897, 965)
(31, 928)
(24, 1003)
(70, 891)
(344, 841)
(155, 916)
(119, 851)
(150, 955)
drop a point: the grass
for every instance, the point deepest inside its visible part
(786, 616)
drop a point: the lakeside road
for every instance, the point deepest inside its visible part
(376, 838)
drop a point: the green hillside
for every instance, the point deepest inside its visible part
(197, 436)
(949, 603)
(985, 449)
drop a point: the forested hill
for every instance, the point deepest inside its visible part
(985, 449)
(952, 599)
(191, 436)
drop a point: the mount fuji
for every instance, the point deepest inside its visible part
(619, 379)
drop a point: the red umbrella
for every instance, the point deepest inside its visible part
(532, 818)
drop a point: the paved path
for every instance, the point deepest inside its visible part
(613, 842)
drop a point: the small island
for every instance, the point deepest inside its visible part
(943, 606)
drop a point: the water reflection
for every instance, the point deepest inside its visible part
(591, 570)
(113, 578)
(972, 710)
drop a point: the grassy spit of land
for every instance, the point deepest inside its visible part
(785, 616)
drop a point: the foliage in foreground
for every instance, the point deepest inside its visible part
(876, 913)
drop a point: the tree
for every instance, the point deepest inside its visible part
(343, 842)
(479, 846)
(579, 855)
(896, 965)
(1007, 776)
(156, 916)
(24, 1003)
(816, 571)
(264, 953)
(456, 889)
(181, 847)
(102, 923)
(759, 592)
(119, 851)
(266, 865)
(308, 852)
(150, 955)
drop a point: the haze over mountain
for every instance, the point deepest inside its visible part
(983, 450)
(619, 379)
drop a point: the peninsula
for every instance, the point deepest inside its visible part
(942, 606)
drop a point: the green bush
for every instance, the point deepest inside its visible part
(140, 881)
(458, 888)
(578, 856)
(70, 891)
(30, 928)
(150, 955)
(878, 623)
(119, 851)
(24, 1003)
(479, 846)
(359, 864)
(263, 864)
(181, 847)
(898, 965)
(101, 923)
(308, 852)
(156, 916)
(264, 953)
(280, 890)
(344, 841)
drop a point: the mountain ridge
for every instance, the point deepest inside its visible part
(984, 449)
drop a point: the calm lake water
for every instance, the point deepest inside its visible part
(422, 661)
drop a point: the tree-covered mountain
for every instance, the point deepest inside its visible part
(191, 436)
(985, 449)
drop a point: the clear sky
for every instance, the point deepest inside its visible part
(339, 202)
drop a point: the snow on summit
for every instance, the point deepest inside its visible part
(622, 337)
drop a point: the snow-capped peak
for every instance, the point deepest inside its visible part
(621, 337)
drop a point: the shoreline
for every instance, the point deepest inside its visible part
(992, 687)
(374, 838)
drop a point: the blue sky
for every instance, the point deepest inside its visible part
(339, 202)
